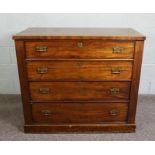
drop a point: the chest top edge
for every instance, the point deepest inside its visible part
(79, 33)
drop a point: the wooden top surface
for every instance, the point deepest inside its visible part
(80, 33)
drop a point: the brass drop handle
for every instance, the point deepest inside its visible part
(44, 90)
(114, 112)
(118, 50)
(42, 70)
(114, 91)
(46, 112)
(41, 48)
(115, 70)
(79, 44)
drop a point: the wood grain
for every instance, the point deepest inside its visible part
(135, 81)
(80, 128)
(68, 85)
(20, 53)
(90, 49)
(81, 70)
(61, 113)
(80, 33)
(61, 91)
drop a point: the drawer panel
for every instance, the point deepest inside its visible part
(79, 49)
(79, 113)
(62, 91)
(79, 70)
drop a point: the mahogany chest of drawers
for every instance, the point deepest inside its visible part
(79, 79)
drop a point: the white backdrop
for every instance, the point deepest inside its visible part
(14, 23)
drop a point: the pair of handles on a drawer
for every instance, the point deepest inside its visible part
(111, 91)
(115, 50)
(44, 70)
(113, 112)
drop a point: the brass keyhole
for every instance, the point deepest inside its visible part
(79, 44)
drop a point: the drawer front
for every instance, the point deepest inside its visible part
(79, 49)
(62, 91)
(79, 113)
(79, 70)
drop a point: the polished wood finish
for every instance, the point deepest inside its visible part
(79, 79)
(79, 33)
(85, 70)
(89, 49)
(135, 80)
(69, 91)
(63, 113)
(20, 52)
(80, 128)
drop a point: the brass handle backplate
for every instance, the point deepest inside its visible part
(41, 48)
(79, 44)
(44, 90)
(114, 112)
(42, 70)
(114, 91)
(46, 112)
(115, 70)
(117, 50)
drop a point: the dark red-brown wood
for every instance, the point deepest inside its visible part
(98, 49)
(20, 52)
(80, 128)
(64, 113)
(135, 80)
(66, 77)
(80, 70)
(77, 91)
(79, 33)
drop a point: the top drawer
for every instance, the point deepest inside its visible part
(93, 49)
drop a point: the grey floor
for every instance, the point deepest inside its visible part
(11, 124)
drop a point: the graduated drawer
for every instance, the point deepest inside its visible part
(84, 70)
(68, 91)
(79, 49)
(79, 113)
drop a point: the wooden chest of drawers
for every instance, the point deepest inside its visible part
(79, 80)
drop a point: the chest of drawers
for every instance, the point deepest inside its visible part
(79, 79)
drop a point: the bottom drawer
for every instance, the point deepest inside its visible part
(60, 113)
